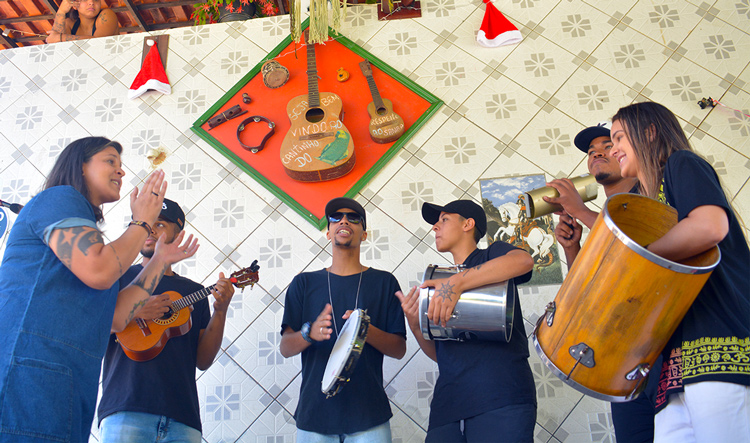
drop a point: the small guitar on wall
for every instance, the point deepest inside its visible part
(142, 340)
(318, 146)
(385, 125)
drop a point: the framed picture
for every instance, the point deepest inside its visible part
(502, 199)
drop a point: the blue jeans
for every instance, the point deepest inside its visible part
(377, 434)
(512, 424)
(128, 427)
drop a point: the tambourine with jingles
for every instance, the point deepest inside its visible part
(345, 353)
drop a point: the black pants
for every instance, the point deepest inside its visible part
(511, 424)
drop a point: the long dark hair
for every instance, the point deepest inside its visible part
(68, 169)
(654, 133)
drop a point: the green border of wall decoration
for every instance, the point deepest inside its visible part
(320, 223)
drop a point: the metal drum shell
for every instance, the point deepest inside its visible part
(484, 313)
(621, 300)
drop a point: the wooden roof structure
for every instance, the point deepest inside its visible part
(27, 22)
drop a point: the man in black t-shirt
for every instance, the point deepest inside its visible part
(317, 305)
(633, 420)
(485, 391)
(157, 400)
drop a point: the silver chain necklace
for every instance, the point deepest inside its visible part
(330, 298)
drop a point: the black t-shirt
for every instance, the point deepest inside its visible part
(480, 376)
(362, 402)
(713, 340)
(164, 385)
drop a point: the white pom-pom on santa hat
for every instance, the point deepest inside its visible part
(151, 76)
(497, 30)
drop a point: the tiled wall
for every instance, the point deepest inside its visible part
(508, 111)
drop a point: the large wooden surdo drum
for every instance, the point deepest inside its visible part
(619, 304)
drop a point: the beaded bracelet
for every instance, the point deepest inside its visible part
(142, 224)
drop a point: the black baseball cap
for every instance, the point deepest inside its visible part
(171, 212)
(346, 203)
(464, 208)
(584, 138)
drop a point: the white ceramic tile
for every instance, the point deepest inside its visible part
(274, 424)
(246, 304)
(444, 16)
(451, 73)
(680, 84)
(13, 83)
(591, 96)
(361, 23)
(229, 66)
(577, 27)
(735, 12)
(412, 388)
(666, 21)
(730, 124)
(541, 66)
(630, 56)
(460, 151)
(190, 98)
(732, 167)
(527, 12)
(717, 45)
(502, 107)
(403, 45)
(465, 37)
(257, 351)
(44, 152)
(404, 429)
(613, 8)
(548, 141)
(230, 400)
(25, 121)
(591, 420)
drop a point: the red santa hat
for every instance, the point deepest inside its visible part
(496, 30)
(151, 76)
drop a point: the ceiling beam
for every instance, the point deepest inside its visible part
(7, 41)
(136, 15)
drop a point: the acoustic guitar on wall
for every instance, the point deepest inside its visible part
(385, 125)
(143, 340)
(318, 146)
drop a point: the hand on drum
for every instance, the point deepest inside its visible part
(410, 305)
(320, 329)
(443, 301)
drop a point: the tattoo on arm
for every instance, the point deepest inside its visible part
(68, 237)
(119, 264)
(73, 37)
(88, 239)
(445, 291)
(136, 306)
(147, 283)
(475, 268)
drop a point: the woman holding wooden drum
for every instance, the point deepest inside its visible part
(704, 385)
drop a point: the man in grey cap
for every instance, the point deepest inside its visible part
(633, 420)
(485, 391)
(317, 305)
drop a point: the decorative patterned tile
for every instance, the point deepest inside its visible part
(717, 45)
(591, 420)
(190, 98)
(39, 60)
(613, 8)
(666, 21)
(403, 45)
(9, 154)
(732, 167)
(590, 96)
(502, 107)
(74, 79)
(680, 84)
(735, 12)
(577, 27)
(238, 57)
(729, 126)
(20, 181)
(230, 400)
(361, 23)
(275, 424)
(404, 429)
(29, 116)
(630, 56)
(411, 390)
(444, 16)
(13, 83)
(451, 73)
(548, 141)
(465, 37)
(266, 33)
(44, 152)
(541, 66)
(257, 351)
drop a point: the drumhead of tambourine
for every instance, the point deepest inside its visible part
(341, 350)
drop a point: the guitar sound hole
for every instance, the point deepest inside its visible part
(382, 111)
(315, 115)
(168, 314)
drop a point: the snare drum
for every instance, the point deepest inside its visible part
(484, 313)
(274, 74)
(345, 353)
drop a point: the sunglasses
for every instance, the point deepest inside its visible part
(353, 217)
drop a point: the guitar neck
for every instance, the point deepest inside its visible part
(193, 298)
(312, 75)
(374, 92)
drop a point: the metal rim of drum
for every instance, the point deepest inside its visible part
(645, 253)
(577, 386)
(349, 363)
